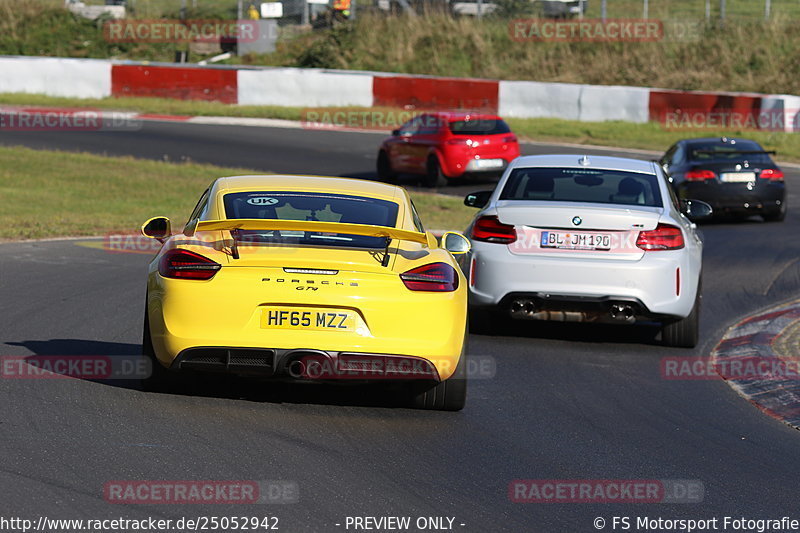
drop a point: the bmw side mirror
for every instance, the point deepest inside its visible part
(456, 243)
(696, 209)
(158, 228)
(477, 199)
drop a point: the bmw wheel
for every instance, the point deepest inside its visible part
(684, 333)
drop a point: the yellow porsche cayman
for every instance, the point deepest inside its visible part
(309, 278)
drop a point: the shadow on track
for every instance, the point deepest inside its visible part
(216, 385)
(573, 332)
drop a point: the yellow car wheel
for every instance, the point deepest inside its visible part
(159, 377)
(447, 395)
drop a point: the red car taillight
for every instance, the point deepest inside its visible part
(460, 142)
(435, 277)
(183, 264)
(510, 139)
(771, 174)
(700, 175)
(490, 229)
(664, 237)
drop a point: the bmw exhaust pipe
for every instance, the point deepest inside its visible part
(623, 313)
(526, 308)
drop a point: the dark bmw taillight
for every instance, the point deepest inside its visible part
(490, 229)
(700, 175)
(183, 264)
(771, 174)
(435, 277)
(664, 237)
(510, 139)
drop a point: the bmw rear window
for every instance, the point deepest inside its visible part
(583, 185)
(721, 152)
(324, 207)
(479, 127)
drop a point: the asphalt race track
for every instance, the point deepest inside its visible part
(567, 401)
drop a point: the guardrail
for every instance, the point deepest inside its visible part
(296, 87)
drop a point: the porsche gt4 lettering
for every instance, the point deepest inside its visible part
(311, 282)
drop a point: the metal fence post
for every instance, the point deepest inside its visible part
(603, 9)
(722, 9)
(767, 9)
(646, 9)
(708, 10)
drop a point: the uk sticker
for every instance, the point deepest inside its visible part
(262, 200)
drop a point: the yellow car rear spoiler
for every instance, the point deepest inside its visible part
(306, 225)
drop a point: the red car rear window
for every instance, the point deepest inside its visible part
(483, 126)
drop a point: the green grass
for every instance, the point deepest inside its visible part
(56, 194)
(713, 57)
(160, 106)
(650, 136)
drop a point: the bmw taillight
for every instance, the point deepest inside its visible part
(490, 229)
(700, 175)
(183, 264)
(771, 174)
(434, 277)
(460, 142)
(664, 237)
(510, 139)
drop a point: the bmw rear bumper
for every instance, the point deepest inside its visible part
(660, 284)
(736, 199)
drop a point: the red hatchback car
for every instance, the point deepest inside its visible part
(445, 146)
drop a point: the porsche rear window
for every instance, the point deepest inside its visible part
(479, 127)
(324, 207)
(582, 185)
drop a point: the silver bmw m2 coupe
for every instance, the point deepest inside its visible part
(589, 239)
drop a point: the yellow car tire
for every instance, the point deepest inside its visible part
(447, 395)
(159, 377)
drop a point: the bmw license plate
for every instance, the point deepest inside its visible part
(306, 318)
(576, 240)
(738, 177)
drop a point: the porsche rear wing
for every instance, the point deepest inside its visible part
(257, 224)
